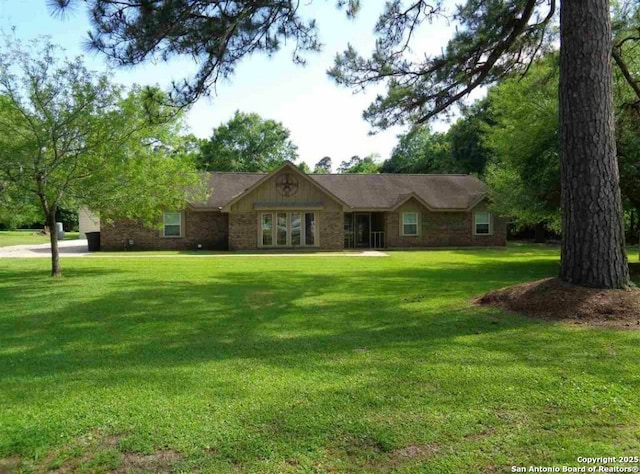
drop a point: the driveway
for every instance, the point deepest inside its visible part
(68, 248)
(78, 248)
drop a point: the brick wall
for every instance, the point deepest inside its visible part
(331, 229)
(442, 229)
(206, 228)
(243, 231)
(239, 231)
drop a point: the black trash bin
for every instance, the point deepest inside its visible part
(93, 241)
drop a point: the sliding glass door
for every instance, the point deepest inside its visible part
(310, 229)
(296, 229)
(267, 229)
(282, 229)
(287, 229)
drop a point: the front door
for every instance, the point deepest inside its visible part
(362, 230)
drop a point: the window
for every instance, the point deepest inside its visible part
(172, 224)
(282, 230)
(296, 229)
(482, 223)
(267, 229)
(410, 224)
(287, 229)
(309, 229)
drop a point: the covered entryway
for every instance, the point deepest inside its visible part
(364, 230)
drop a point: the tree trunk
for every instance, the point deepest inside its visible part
(53, 237)
(593, 247)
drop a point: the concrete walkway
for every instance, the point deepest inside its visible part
(68, 248)
(78, 248)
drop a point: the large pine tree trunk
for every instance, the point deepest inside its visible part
(593, 249)
(53, 237)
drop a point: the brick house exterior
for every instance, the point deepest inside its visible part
(207, 229)
(292, 210)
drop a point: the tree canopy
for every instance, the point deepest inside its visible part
(492, 38)
(525, 170)
(304, 167)
(247, 142)
(70, 138)
(216, 33)
(461, 149)
(355, 164)
(420, 151)
(324, 165)
(523, 138)
(469, 153)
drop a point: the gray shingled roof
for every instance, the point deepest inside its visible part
(372, 191)
(367, 191)
(226, 186)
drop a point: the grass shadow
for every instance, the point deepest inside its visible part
(261, 361)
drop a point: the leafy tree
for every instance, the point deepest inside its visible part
(356, 164)
(466, 137)
(247, 142)
(346, 165)
(218, 33)
(323, 166)
(628, 132)
(626, 53)
(420, 151)
(304, 167)
(16, 209)
(460, 150)
(494, 38)
(524, 139)
(69, 138)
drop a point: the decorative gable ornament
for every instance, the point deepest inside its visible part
(287, 184)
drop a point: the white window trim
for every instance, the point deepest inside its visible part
(417, 234)
(475, 223)
(162, 231)
(260, 233)
(303, 237)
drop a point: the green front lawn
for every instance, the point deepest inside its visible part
(27, 237)
(308, 364)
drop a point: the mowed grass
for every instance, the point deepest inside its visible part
(26, 237)
(307, 364)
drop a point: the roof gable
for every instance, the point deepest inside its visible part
(288, 168)
(407, 197)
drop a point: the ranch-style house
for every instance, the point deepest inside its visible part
(288, 209)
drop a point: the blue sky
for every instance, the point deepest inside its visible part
(324, 119)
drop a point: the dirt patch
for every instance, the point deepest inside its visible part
(114, 462)
(414, 451)
(9, 465)
(557, 300)
(160, 462)
(96, 451)
(481, 435)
